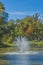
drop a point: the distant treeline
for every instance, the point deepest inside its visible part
(30, 26)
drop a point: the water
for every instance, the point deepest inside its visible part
(34, 59)
(22, 44)
(11, 56)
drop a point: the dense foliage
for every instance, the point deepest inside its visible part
(30, 26)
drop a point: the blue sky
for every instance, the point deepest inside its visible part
(22, 8)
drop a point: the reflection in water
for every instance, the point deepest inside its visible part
(36, 59)
(5, 50)
(4, 62)
(14, 60)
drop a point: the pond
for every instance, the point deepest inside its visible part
(13, 59)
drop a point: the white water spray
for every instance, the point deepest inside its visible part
(22, 44)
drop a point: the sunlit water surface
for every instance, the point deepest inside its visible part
(21, 56)
(20, 59)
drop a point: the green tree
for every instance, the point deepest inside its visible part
(3, 19)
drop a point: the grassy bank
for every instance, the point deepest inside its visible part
(36, 45)
(33, 43)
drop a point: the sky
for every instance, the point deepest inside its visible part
(22, 8)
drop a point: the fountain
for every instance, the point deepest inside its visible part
(22, 44)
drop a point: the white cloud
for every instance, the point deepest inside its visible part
(17, 13)
(26, 13)
(20, 13)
